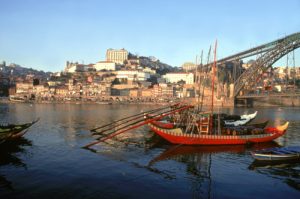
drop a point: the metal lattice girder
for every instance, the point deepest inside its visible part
(260, 49)
(279, 48)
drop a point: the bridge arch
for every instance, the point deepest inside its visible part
(269, 54)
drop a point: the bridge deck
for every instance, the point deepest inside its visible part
(264, 95)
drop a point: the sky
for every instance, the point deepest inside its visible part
(45, 34)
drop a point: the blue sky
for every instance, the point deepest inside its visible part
(45, 34)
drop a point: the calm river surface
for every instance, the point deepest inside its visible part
(50, 163)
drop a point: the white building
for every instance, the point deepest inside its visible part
(176, 77)
(149, 70)
(76, 67)
(105, 65)
(116, 56)
(133, 75)
(187, 66)
(290, 72)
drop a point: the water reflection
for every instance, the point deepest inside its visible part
(137, 164)
(9, 157)
(199, 160)
(131, 152)
(4, 183)
(286, 171)
(182, 150)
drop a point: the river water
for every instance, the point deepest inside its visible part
(50, 163)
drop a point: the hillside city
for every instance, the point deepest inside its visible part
(125, 77)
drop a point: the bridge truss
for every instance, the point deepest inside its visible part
(268, 55)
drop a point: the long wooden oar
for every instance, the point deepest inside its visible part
(117, 124)
(135, 126)
(131, 122)
(142, 113)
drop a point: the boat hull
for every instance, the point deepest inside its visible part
(176, 136)
(11, 132)
(277, 154)
(166, 125)
(18, 135)
(274, 157)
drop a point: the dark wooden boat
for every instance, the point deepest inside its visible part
(277, 154)
(13, 131)
(259, 125)
(4, 137)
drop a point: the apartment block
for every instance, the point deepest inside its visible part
(116, 56)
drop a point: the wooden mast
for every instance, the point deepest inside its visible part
(199, 80)
(196, 63)
(213, 77)
(213, 85)
(204, 77)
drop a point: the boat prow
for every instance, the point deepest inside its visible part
(283, 127)
(13, 131)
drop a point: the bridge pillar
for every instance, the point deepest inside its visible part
(249, 102)
(231, 90)
(246, 102)
(239, 102)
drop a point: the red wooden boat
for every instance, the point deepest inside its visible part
(177, 136)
